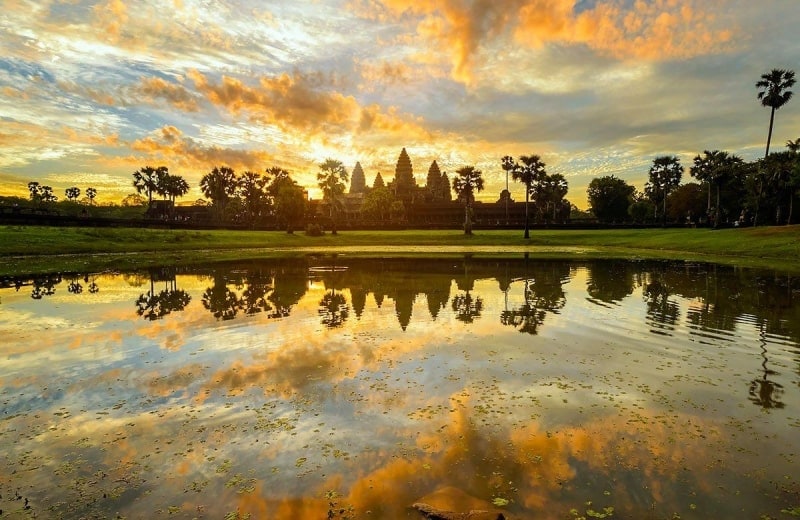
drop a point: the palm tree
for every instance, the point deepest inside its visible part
(91, 193)
(332, 179)
(73, 193)
(174, 186)
(530, 172)
(148, 180)
(468, 181)
(715, 168)
(252, 189)
(665, 174)
(509, 165)
(774, 93)
(556, 188)
(219, 186)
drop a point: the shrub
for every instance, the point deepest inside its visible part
(314, 230)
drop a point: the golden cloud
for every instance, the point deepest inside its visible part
(174, 94)
(654, 30)
(651, 30)
(169, 145)
(300, 103)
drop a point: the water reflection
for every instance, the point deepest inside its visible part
(302, 387)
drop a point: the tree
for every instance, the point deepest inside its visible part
(41, 194)
(252, 189)
(794, 174)
(686, 202)
(377, 204)
(219, 186)
(288, 198)
(609, 198)
(531, 170)
(665, 175)
(133, 199)
(715, 169)
(774, 93)
(468, 181)
(33, 189)
(555, 188)
(72, 193)
(331, 178)
(91, 193)
(779, 172)
(509, 165)
(174, 186)
(148, 180)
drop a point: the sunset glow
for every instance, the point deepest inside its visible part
(91, 91)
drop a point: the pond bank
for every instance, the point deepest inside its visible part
(43, 249)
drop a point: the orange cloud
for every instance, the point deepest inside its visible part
(174, 94)
(299, 103)
(653, 30)
(111, 17)
(168, 144)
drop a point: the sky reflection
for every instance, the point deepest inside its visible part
(524, 386)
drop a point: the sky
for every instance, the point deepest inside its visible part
(91, 91)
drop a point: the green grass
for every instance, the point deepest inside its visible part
(49, 248)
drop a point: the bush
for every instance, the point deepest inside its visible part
(314, 230)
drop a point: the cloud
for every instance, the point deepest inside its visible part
(650, 30)
(307, 104)
(168, 144)
(469, 30)
(175, 95)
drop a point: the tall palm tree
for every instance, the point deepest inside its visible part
(531, 170)
(468, 180)
(331, 179)
(219, 186)
(148, 179)
(665, 175)
(774, 93)
(174, 186)
(509, 165)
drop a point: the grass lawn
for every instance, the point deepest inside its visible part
(36, 249)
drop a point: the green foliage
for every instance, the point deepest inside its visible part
(377, 204)
(219, 186)
(609, 198)
(331, 178)
(468, 181)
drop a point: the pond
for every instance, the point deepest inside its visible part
(347, 387)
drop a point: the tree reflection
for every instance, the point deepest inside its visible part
(289, 286)
(223, 303)
(254, 296)
(45, 286)
(763, 392)
(155, 305)
(662, 312)
(333, 309)
(610, 282)
(543, 293)
(466, 306)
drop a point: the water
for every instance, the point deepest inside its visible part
(354, 388)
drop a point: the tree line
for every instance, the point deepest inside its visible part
(728, 190)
